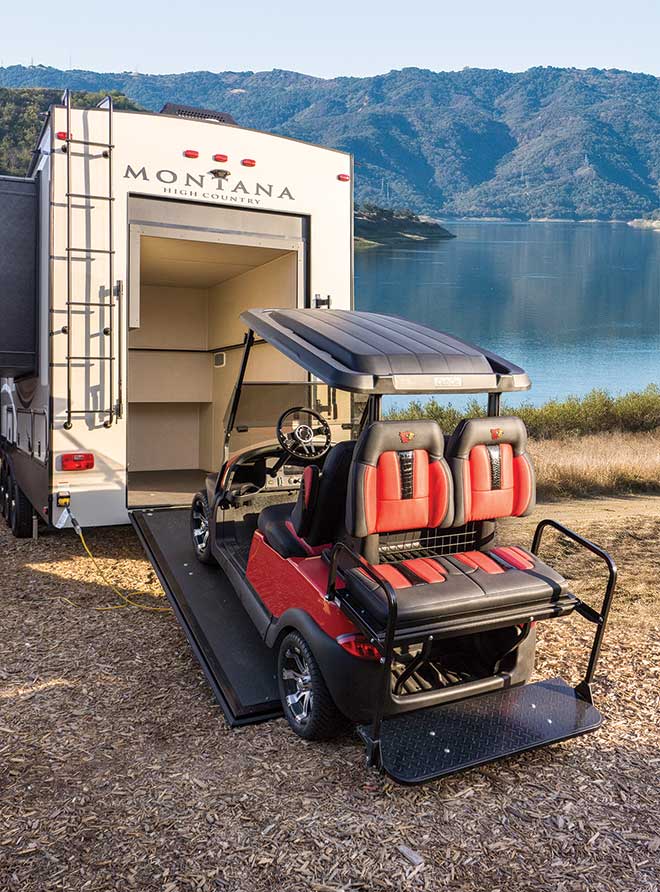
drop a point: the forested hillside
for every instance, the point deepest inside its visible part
(21, 117)
(547, 142)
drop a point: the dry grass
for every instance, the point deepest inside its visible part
(600, 464)
(117, 771)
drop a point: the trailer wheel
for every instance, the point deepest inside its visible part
(19, 510)
(200, 529)
(4, 487)
(308, 707)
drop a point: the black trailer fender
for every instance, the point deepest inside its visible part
(30, 475)
(353, 683)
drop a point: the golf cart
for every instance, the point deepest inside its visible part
(363, 550)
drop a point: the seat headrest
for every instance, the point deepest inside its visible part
(473, 432)
(398, 436)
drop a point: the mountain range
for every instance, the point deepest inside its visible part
(544, 143)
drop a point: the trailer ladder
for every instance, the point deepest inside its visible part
(111, 293)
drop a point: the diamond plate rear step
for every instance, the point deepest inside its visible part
(441, 740)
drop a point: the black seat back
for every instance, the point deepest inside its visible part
(318, 515)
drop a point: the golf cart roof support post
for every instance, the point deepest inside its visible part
(371, 411)
(248, 341)
(494, 404)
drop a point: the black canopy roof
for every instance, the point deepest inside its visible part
(376, 353)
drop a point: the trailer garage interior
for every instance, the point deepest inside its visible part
(184, 355)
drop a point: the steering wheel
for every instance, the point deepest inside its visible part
(302, 439)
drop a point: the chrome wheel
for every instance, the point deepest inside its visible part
(297, 683)
(200, 528)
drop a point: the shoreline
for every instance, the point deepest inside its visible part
(515, 222)
(645, 224)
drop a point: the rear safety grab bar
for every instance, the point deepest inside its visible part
(599, 618)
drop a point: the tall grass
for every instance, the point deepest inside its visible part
(596, 413)
(597, 465)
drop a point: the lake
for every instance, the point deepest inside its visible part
(576, 305)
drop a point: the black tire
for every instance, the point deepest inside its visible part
(200, 529)
(4, 486)
(20, 510)
(318, 718)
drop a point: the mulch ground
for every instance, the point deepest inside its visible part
(117, 771)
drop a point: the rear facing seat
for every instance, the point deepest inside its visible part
(400, 481)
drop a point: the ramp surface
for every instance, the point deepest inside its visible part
(429, 743)
(239, 667)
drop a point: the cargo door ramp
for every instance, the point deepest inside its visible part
(236, 662)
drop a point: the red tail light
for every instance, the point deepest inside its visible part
(77, 461)
(191, 153)
(220, 157)
(343, 177)
(358, 646)
(62, 134)
(248, 162)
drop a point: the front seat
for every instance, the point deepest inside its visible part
(316, 519)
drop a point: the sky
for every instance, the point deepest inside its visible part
(331, 38)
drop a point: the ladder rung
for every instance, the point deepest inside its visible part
(89, 197)
(91, 250)
(91, 358)
(91, 412)
(85, 142)
(89, 303)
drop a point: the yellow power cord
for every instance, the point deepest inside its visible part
(125, 597)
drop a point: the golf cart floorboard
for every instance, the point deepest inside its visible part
(236, 662)
(430, 743)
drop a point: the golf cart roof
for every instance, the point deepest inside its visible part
(376, 353)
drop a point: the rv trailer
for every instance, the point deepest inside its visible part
(128, 253)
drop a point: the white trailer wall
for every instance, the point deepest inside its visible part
(289, 180)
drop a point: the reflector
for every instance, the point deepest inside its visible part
(77, 461)
(358, 646)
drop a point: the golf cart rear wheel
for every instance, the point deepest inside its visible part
(200, 529)
(308, 707)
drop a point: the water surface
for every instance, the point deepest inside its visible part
(576, 305)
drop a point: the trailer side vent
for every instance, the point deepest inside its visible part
(219, 360)
(196, 114)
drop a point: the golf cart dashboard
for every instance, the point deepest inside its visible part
(288, 478)
(266, 469)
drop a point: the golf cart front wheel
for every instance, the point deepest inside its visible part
(200, 529)
(308, 707)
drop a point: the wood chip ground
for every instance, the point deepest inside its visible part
(117, 771)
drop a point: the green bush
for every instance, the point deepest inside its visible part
(597, 412)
